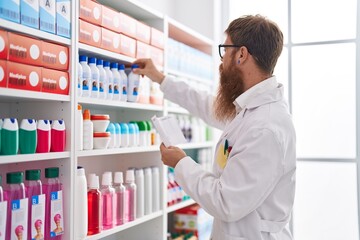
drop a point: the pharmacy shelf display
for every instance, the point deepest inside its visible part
(23, 104)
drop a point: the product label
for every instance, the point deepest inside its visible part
(3, 211)
(37, 217)
(19, 216)
(95, 82)
(47, 15)
(86, 81)
(57, 222)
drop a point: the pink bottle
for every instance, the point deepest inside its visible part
(58, 136)
(107, 192)
(16, 191)
(120, 191)
(33, 190)
(130, 212)
(54, 223)
(94, 206)
(1, 190)
(44, 136)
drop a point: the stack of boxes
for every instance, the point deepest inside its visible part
(31, 64)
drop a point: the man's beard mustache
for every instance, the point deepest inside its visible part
(231, 86)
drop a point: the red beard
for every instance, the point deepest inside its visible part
(231, 86)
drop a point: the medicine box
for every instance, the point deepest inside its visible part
(142, 50)
(24, 49)
(54, 81)
(29, 13)
(127, 46)
(157, 55)
(110, 19)
(143, 32)
(90, 11)
(47, 15)
(89, 33)
(3, 73)
(21, 76)
(157, 38)
(110, 40)
(10, 10)
(3, 44)
(54, 56)
(63, 14)
(127, 25)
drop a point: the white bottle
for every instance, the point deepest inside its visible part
(117, 135)
(133, 82)
(124, 81)
(148, 191)
(79, 128)
(140, 193)
(88, 130)
(80, 80)
(116, 83)
(86, 89)
(81, 214)
(109, 80)
(102, 79)
(156, 189)
(94, 78)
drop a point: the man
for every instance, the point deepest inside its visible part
(251, 189)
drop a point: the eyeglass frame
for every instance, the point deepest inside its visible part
(230, 45)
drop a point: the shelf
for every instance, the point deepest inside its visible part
(177, 110)
(196, 145)
(104, 54)
(125, 226)
(16, 27)
(113, 151)
(17, 95)
(6, 159)
(179, 205)
(190, 77)
(118, 104)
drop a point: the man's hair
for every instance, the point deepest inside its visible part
(262, 38)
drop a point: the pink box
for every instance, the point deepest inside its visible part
(21, 76)
(110, 19)
(127, 25)
(142, 50)
(3, 44)
(90, 11)
(54, 81)
(89, 34)
(143, 32)
(110, 40)
(24, 49)
(54, 56)
(157, 55)
(3, 73)
(157, 38)
(127, 46)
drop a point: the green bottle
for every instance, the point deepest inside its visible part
(10, 137)
(27, 136)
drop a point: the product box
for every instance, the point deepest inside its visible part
(54, 81)
(10, 10)
(127, 46)
(193, 219)
(63, 16)
(21, 76)
(143, 32)
(3, 44)
(142, 50)
(24, 49)
(157, 55)
(29, 13)
(54, 56)
(110, 40)
(110, 19)
(157, 38)
(3, 73)
(127, 25)
(47, 15)
(89, 34)
(90, 11)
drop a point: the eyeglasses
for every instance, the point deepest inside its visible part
(222, 49)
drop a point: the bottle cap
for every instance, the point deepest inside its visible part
(92, 60)
(86, 114)
(79, 107)
(118, 177)
(28, 124)
(33, 174)
(0, 180)
(106, 64)
(155, 170)
(117, 128)
(129, 175)
(58, 125)
(142, 126)
(121, 67)
(93, 181)
(134, 66)
(114, 65)
(99, 62)
(44, 125)
(80, 171)
(139, 172)
(101, 134)
(83, 58)
(52, 172)
(106, 179)
(148, 171)
(111, 128)
(14, 177)
(149, 125)
(124, 128)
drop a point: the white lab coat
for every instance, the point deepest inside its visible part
(250, 192)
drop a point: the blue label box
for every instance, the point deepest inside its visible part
(29, 13)
(47, 15)
(10, 10)
(63, 15)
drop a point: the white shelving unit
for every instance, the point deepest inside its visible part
(26, 104)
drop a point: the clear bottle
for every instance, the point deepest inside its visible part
(81, 208)
(116, 83)
(148, 191)
(133, 83)
(109, 80)
(94, 206)
(36, 214)
(86, 89)
(54, 225)
(94, 78)
(88, 131)
(130, 213)
(124, 82)
(102, 79)
(79, 80)
(15, 191)
(120, 191)
(140, 192)
(107, 192)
